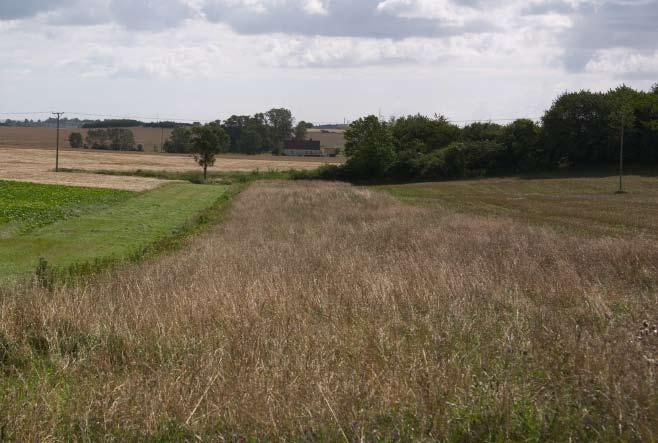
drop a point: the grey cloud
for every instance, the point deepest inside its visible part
(345, 18)
(621, 24)
(132, 14)
(149, 14)
(19, 9)
(549, 7)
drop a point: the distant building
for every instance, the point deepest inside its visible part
(303, 148)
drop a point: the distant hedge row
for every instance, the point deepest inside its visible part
(580, 129)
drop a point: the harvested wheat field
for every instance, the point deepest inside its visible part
(35, 165)
(323, 312)
(45, 138)
(138, 184)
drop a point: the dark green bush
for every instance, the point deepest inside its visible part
(464, 160)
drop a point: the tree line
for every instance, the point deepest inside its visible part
(247, 134)
(581, 129)
(115, 139)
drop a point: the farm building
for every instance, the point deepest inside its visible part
(307, 148)
(303, 148)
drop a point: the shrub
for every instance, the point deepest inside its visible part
(464, 160)
(75, 140)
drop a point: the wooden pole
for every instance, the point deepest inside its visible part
(58, 114)
(621, 158)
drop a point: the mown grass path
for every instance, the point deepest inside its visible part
(120, 231)
(582, 206)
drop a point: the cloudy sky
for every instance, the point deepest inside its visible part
(327, 60)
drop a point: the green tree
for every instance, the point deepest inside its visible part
(250, 141)
(522, 139)
(482, 132)
(207, 141)
(301, 130)
(121, 139)
(75, 140)
(576, 128)
(97, 139)
(423, 134)
(369, 147)
(280, 122)
(179, 141)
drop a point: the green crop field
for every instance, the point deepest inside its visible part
(73, 226)
(26, 206)
(584, 206)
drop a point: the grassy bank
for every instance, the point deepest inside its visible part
(575, 205)
(217, 177)
(125, 229)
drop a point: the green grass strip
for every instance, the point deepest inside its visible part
(27, 206)
(126, 231)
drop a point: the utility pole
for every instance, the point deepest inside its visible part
(58, 114)
(621, 158)
(162, 138)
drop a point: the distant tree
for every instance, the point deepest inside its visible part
(369, 146)
(114, 123)
(281, 123)
(234, 126)
(482, 132)
(301, 130)
(207, 141)
(422, 133)
(522, 139)
(179, 141)
(75, 140)
(654, 88)
(576, 129)
(97, 139)
(121, 139)
(464, 160)
(250, 141)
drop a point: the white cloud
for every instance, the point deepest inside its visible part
(445, 11)
(622, 62)
(316, 7)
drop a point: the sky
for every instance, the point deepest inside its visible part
(326, 60)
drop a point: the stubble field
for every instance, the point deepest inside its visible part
(45, 138)
(321, 311)
(36, 165)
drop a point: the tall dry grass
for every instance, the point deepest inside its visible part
(320, 311)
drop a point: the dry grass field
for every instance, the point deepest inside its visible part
(333, 138)
(45, 138)
(321, 311)
(35, 165)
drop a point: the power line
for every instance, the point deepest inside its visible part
(193, 120)
(495, 120)
(25, 113)
(136, 117)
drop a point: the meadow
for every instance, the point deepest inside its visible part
(320, 312)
